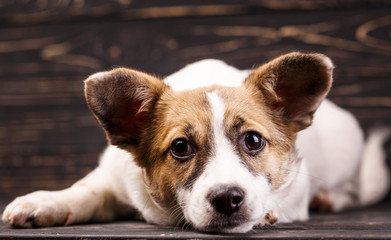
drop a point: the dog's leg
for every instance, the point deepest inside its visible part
(336, 199)
(90, 199)
(368, 186)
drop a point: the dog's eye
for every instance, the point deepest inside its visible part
(253, 142)
(181, 149)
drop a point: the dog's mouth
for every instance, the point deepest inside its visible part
(224, 209)
(222, 224)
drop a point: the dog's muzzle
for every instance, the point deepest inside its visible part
(229, 211)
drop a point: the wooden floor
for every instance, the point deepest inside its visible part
(49, 139)
(369, 223)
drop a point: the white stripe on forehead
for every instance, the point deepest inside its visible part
(226, 163)
(218, 109)
(221, 142)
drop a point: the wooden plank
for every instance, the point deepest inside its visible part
(374, 222)
(57, 11)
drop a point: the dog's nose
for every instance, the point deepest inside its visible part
(226, 200)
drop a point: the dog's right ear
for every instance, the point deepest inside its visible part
(121, 101)
(293, 86)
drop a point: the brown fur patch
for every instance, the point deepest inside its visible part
(245, 112)
(176, 115)
(120, 100)
(140, 114)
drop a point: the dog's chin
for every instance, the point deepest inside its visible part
(227, 226)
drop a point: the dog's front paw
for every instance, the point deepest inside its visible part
(38, 209)
(270, 218)
(322, 201)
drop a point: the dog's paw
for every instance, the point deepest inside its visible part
(38, 209)
(270, 218)
(321, 201)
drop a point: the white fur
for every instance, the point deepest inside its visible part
(291, 201)
(99, 76)
(330, 149)
(204, 73)
(374, 173)
(333, 152)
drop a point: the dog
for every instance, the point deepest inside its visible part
(218, 149)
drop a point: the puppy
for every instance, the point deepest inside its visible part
(218, 149)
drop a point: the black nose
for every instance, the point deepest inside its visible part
(226, 200)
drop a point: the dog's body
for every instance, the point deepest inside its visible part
(219, 158)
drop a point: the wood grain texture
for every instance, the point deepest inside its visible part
(49, 139)
(370, 223)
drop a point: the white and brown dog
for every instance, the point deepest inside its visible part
(219, 149)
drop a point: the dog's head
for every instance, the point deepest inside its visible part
(216, 152)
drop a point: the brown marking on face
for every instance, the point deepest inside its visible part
(246, 112)
(142, 115)
(176, 115)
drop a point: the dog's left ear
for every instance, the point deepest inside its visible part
(294, 85)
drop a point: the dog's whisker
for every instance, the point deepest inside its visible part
(306, 174)
(177, 213)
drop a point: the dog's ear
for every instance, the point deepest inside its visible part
(121, 101)
(294, 85)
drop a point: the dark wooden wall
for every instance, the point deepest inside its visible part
(49, 139)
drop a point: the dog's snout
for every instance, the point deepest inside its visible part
(226, 200)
